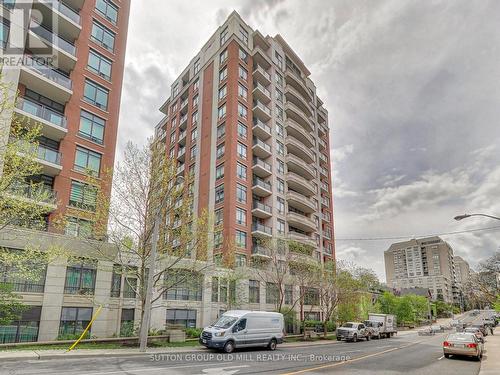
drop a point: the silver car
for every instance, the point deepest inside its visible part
(465, 344)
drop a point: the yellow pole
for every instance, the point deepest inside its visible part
(86, 329)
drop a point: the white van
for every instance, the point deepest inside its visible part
(243, 329)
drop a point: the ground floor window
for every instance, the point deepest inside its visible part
(23, 330)
(74, 320)
(185, 318)
(127, 323)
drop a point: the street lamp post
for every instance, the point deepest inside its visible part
(465, 216)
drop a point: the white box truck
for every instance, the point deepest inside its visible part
(386, 324)
(243, 329)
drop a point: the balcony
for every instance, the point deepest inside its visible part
(299, 167)
(298, 132)
(50, 160)
(325, 217)
(301, 222)
(183, 122)
(261, 75)
(322, 144)
(325, 202)
(325, 187)
(261, 252)
(303, 238)
(181, 154)
(298, 83)
(322, 130)
(293, 95)
(260, 129)
(261, 210)
(324, 171)
(300, 184)
(261, 111)
(53, 123)
(35, 193)
(68, 19)
(63, 51)
(261, 230)
(181, 168)
(261, 93)
(261, 168)
(300, 202)
(299, 149)
(327, 234)
(261, 149)
(184, 106)
(45, 80)
(261, 188)
(296, 114)
(182, 138)
(323, 158)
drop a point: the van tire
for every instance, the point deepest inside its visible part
(368, 337)
(355, 338)
(228, 347)
(272, 344)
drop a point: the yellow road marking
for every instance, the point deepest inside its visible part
(349, 361)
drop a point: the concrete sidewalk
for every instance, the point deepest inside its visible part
(491, 359)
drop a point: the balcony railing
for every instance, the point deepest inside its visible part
(263, 164)
(259, 250)
(262, 88)
(49, 155)
(261, 206)
(262, 106)
(258, 142)
(47, 72)
(261, 70)
(37, 192)
(323, 158)
(258, 227)
(41, 111)
(64, 9)
(54, 39)
(260, 124)
(260, 182)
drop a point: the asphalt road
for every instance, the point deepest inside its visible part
(404, 354)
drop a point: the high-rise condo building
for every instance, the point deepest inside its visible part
(244, 120)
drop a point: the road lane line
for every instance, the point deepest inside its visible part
(440, 358)
(350, 360)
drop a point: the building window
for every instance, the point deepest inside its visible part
(197, 65)
(194, 134)
(241, 216)
(194, 118)
(279, 79)
(241, 171)
(241, 150)
(242, 130)
(219, 194)
(223, 36)
(77, 227)
(116, 281)
(185, 318)
(272, 293)
(281, 205)
(221, 131)
(107, 9)
(240, 260)
(241, 193)
(279, 60)
(218, 240)
(281, 166)
(23, 330)
(99, 65)
(253, 291)
(242, 111)
(129, 287)
(281, 186)
(103, 36)
(96, 94)
(222, 92)
(219, 217)
(219, 172)
(223, 57)
(87, 160)
(241, 239)
(222, 111)
(279, 130)
(196, 100)
(242, 73)
(220, 151)
(5, 26)
(193, 152)
(91, 127)
(183, 285)
(12, 277)
(279, 96)
(280, 226)
(243, 35)
(196, 85)
(288, 294)
(243, 55)
(223, 74)
(80, 277)
(74, 320)
(280, 148)
(311, 296)
(127, 322)
(242, 91)
(83, 196)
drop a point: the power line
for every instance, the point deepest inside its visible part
(419, 236)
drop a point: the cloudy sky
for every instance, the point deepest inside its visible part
(412, 88)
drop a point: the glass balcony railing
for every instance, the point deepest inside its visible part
(49, 73)
(63, 9)
(261, 206)
(54, 39)
(38, 192)
(263, 164)
(263, 184)
(263, 107)
(49, 155)
(41, 111)
(260, 124)
(257, 227)
(258, 142)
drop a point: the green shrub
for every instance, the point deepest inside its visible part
(193, 333)
(72, 336)
(312, 323)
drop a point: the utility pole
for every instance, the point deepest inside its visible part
(146, 315)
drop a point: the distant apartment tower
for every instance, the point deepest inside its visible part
(462, 271)
(423, 263)
(244, 120)
(77, 99)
